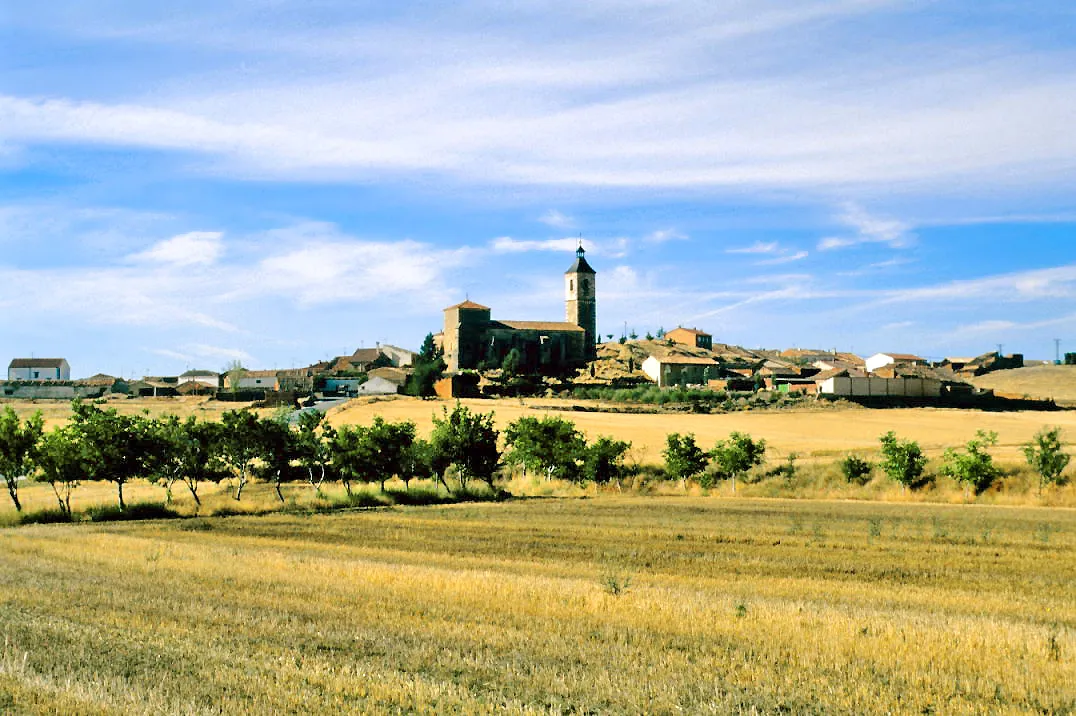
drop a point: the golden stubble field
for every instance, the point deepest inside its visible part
(611, 605)
(822, 433)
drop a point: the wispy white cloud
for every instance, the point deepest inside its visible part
(557, 220)
(777, 253)
(662, 236)
(196, 247)
(759, 247)
(868, 229)
(506, 244)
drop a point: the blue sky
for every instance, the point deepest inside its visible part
(186, 184)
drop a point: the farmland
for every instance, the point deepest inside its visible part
(623, 605)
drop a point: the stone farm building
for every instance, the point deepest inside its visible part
(472, 338)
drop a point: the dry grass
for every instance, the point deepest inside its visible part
(756, 606)
(824, 434)
(58, 412)
(1048, 381)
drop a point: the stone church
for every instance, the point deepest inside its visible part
(472, 339)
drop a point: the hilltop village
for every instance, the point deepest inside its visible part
(476, 354)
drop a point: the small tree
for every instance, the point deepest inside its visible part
(551, 445)
(511, 363)
(349, 459)
(737, 455)
(683, 457)
(856, 469)
(279, 448)
(1046, 454)
(416, 462)
(234, 372)
(18, 447)
(902, 460)
(387, 445)
(314, 445)
(468, 441)
(973, 466)
(240, 445)
(604, 461)
(426, 370)
(62, 460)
(119, 447)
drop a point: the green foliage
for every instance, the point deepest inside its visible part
(511, 363)
(118, 447)
(735, 456)
(62, 460)
(551, 445)
(684, 459)
(467, 441)
(314, 446)
(973, 466)
(427, 368)
(604, 460)
(240, 444)
(135, 511)
(903, 461)
(280, 447)
(18, 447)
(375, 453)
(616, 585)
(856, 470)
(652, 395)
(1045, 453)
(187, 451)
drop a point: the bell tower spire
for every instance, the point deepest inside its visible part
(581, 298)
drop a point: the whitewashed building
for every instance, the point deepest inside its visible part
(38, 369)
(205, 377)
(881, 360)
(677, 369)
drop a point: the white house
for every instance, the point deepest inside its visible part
(205, 377)
(880, 360)
(676, 369)
(378, 386)
(254, 379)
(38, 369)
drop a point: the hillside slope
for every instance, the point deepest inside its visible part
(1046, 381)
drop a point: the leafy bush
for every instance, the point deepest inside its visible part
(856, 470)
(135, 511)
(44, 517)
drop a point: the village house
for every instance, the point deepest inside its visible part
(39, 369)
(253, 380)
(673, 369)
(880, 360)
(691, 337)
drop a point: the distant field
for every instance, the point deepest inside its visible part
(57, 412)
(723, 606)
(1048, 381)
(823, 433)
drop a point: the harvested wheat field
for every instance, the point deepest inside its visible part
(1045, 381)
(822, 433)
(613, 605)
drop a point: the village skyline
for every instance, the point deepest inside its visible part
(283, 185)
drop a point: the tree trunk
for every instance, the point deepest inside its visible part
(382, 484)
(192, 485)
(119, 491)
(13, 490)
(279, 494)
(347, 486)
(242, 484)
(734, 484)
(59, 498)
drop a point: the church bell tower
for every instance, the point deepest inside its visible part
(580, 302)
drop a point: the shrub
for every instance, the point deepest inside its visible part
(135, 511)
(856, 469)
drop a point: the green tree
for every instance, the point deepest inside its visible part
(62, 461)
(387, 448)
(684, 459)
(429, 351)
(119, 447)
(234, 372)
(416, 462)
(511, 363)
(973, 466)
(737, 455)
(604, 461)
(1046, 454)
(18, 447)
(551, 445)
(315, 441)
(349, 459)
(279, 449)
(469, 442)
(903, 461)
(240, 445)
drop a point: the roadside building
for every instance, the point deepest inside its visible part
(38, 369)
(253, 380)
(204, 377)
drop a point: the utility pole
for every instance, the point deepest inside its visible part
(1057, 350)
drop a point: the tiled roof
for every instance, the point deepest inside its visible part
(366, 355)
(469, 304)
(542, 326)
